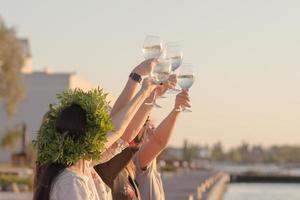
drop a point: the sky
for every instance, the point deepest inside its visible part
(245, 53)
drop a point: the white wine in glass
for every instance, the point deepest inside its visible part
(173, 52)
(160, 74)
(152, 47)
(186, 79)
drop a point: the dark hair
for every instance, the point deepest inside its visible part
(72, 121)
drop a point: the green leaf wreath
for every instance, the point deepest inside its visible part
(61, 148)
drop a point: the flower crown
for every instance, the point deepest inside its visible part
(54, 147)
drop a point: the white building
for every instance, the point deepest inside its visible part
(40, 90)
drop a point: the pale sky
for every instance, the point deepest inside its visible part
(246, 55)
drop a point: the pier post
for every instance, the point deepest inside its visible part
(199, 192)
(191, 197)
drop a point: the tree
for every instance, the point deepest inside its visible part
(217, 153)
(190, 151)
(11, 62)
(11, 138)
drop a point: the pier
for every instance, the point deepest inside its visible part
(195, 185)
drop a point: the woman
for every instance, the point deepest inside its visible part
(153, 142)
(145, 164)
(110, 170)
(74, 133)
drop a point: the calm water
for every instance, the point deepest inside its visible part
(258, 191)
(15, 196)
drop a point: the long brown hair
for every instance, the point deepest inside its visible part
(72, 121)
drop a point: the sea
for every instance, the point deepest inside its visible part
(15, 196)
(262, 191)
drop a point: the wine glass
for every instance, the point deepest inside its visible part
(186, 79)
(174, 52)
(159, 75)
(152, 47)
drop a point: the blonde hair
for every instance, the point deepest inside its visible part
(130, 167)
(147, 131)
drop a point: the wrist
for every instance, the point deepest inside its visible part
(148, 99)
(176, 109)
(136, 77)
(136, 70)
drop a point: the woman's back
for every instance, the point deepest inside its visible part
(70, 185)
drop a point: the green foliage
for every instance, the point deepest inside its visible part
(217, 152)
(169, 168)
(11, 62)
(190, 151)
(10, 139)
(247, 154)
(55, 147)
(6, 179)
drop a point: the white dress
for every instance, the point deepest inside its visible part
(70, 185)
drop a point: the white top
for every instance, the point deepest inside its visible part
(70, 185)
(148, 179)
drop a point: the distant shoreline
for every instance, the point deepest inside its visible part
(244, 178)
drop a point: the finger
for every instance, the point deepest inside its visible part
(166, 84)
(183, 100)
(183, 95)
(169, 86)
(185, 91)
(186, 98)
(173, 78)
(186, 105)
(172, 84)
(154, 61)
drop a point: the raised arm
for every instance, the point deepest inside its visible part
(109, 171)
(159, 140)
(122, 118)
(131, 86)
(140, 117)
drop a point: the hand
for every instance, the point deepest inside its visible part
(145, 67)
(182, 100)
(171, 83)
(148, 86)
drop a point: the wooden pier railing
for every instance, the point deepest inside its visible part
(212, 188)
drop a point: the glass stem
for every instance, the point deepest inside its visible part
(152, 101)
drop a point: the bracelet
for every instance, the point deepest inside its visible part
(122, 144)
(136, 77)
